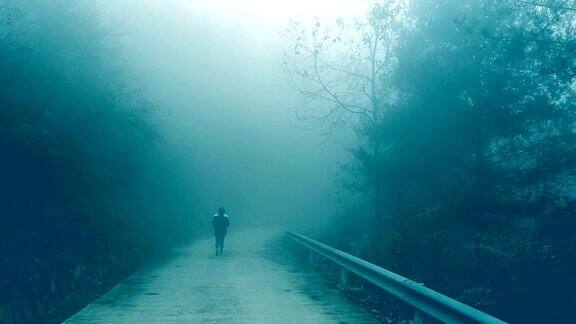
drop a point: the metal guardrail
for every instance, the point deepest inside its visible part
(424, 299)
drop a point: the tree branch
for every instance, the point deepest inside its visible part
(546, 5)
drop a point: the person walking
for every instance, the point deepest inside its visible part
(220, 222)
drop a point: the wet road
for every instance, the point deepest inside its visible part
(253, 282)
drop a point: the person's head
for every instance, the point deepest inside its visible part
(221, 211)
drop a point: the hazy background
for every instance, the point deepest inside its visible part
(214, 66)
(125, 124)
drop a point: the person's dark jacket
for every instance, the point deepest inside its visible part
(220, 224)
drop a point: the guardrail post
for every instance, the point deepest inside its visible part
(418, 319)
(343, 278)
(311, 258)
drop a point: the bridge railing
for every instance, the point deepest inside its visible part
(424, 299)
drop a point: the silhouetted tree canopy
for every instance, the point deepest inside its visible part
(86, 190)
(477, 151)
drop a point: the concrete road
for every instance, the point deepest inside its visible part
(251, 283)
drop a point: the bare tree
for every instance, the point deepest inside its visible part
(340, 72)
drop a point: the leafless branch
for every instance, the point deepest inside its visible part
(546, 4)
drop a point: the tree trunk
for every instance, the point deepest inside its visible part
(377, 185)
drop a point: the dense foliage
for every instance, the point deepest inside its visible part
(86, 193)
(469, 165)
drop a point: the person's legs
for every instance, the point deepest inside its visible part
(216, 237)
(219, 243)
(222, 243)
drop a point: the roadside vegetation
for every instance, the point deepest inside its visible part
(462, 159)
(84, 173)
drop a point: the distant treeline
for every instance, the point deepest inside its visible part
(465, 116)
(88, 190)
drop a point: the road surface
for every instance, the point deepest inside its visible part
(251, 283)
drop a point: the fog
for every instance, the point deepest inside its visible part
(432, 138)
(213, 67)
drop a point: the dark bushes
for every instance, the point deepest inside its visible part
(87, 193)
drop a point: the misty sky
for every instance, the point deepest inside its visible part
(213, 66)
